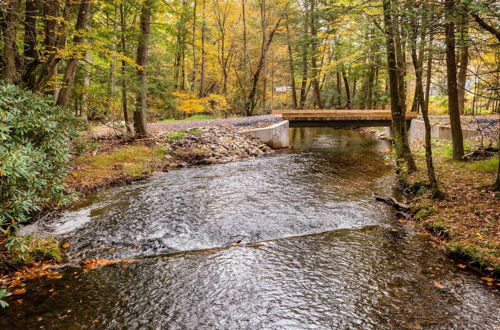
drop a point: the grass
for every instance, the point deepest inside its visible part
(486, 166)
(176, 136)
(27, 249)
(191, 118)
(133, 161)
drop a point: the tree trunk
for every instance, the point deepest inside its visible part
(123, 28)
(69, 75)
(86, 84)
(201, 93)
(193, 76)
(305, 64)
(140, 126)
(347, 90)
(12, 13)
(291, 66)
(250, 103)
(397, 110)
(314, 57)
(451, 69)
(30, 41)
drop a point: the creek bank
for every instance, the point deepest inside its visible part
(139, 159)
(465, 222)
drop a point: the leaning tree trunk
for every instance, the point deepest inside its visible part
(69, 74)
(451, 68)
(140, 126)
(403, 151)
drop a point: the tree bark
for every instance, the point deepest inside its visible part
(291, 66)
(123, 28)
(12, 13)
(30, 41)
(347, 89)
(314, 56)
(451, 69)
(140, 126)
(402, 147)
(69, 74)
(201, 92)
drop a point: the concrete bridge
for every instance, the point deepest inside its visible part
(339, 118)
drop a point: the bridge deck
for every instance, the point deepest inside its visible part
(338, 115)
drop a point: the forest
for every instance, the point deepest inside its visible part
(104, 59)
(96, 94)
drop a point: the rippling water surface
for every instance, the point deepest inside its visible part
(315, 251)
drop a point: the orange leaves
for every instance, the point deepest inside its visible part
(95, 263)
(438, 285)
(19, 291)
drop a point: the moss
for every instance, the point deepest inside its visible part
(424, 212)
(176, 136)
(27, 249)
(438, 227)
(472, 253)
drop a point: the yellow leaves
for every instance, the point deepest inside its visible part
(66, 245)
(438, 285)
(461, 266)
(55, 276)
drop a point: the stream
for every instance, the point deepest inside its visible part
(293, 240)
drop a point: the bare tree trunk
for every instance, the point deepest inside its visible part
(123, 28)
(69, 75)
(347, 90)
(339, 89)
(140, 126)
(463, 58)
(251, 99)
(31, 59)
(203, 53)
(314, 57)
(11, 11)
(86, 84)
(397, 108)
(305, 64)
(291, 66)
(451, 68)
(193, 76)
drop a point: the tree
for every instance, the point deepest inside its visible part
(140, 126)
(451, 69)
(397, 106)
(69, 74)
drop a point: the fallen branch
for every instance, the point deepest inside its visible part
(403, 210)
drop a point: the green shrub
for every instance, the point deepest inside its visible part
(35, 148)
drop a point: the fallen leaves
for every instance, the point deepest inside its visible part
(95, 263)
(19, 291)
(438, 285)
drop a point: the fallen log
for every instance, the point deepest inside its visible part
(403, 210)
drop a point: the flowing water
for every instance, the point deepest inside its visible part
(315, 251)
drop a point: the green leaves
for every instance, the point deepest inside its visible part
(35, 147)
(4, 293)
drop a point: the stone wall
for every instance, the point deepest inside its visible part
(275, 136)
